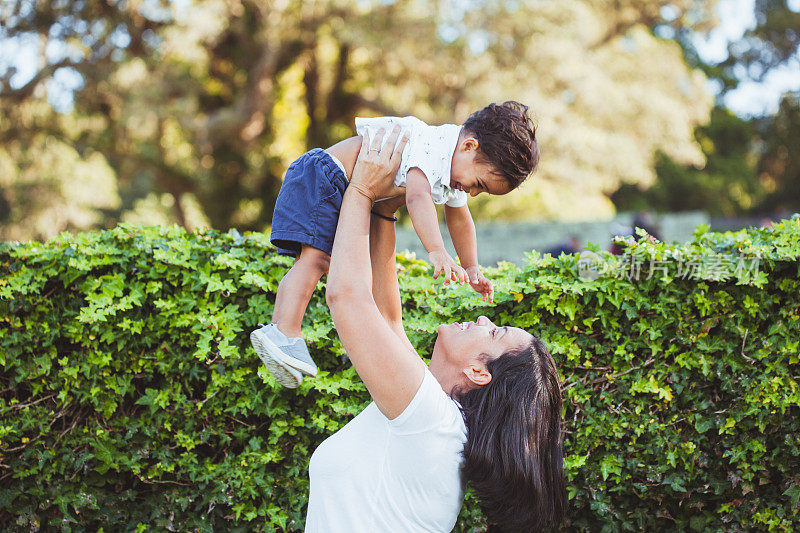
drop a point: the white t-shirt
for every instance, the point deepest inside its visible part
(401, 475)
(430, 148)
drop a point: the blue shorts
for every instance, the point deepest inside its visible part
(308, 204)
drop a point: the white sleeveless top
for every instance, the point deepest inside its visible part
(401, 475)
(430, 148)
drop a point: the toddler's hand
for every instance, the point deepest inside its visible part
(444, 264)
(480, 283)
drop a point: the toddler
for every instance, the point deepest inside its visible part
(492, 152)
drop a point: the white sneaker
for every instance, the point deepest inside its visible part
(273, 358)
(287, 353)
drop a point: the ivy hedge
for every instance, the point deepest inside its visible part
(131, 400)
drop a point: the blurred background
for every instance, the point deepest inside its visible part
(664, 113)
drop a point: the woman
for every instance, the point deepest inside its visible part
(486, 410)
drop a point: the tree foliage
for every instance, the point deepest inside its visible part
(749, 161)
(198, 107)
(751, 168)
(726, 185)
(130, 398)
(779, 166)
(773, 42)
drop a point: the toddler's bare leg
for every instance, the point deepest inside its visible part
(296, 288)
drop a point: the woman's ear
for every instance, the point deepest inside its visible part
(478, 374)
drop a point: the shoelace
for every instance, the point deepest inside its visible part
(291, 342)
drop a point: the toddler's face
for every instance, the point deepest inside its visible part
(472, 177)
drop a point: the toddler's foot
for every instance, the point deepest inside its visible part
(283, 356)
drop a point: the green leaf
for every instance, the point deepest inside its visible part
(610, 464)
(793, 492)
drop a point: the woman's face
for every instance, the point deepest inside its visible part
(463, 343)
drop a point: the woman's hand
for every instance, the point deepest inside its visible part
(377, 164)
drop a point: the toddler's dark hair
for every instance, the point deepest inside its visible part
(506, 140)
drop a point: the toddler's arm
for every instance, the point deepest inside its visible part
(422, 211)
(462, 232)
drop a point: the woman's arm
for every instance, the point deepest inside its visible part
(382, 251)
(462, 232)
(391, 371)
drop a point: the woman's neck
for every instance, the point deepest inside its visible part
(451, 379)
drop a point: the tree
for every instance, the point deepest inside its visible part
(608, 94)
(199, 110)
(779, 165)
(726, 185)
(772, 43)
(751, 163)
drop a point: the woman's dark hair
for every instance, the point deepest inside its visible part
(513, 454)
(506, 140)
